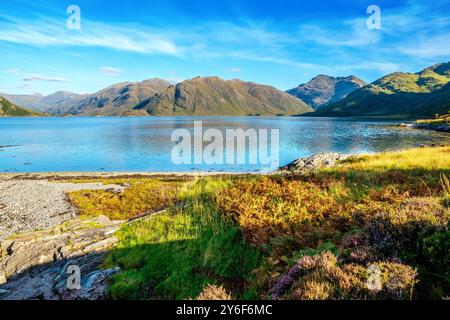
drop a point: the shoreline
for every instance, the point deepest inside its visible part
(314, 161)
(118, 175)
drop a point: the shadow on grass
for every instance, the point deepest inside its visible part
(170, 270)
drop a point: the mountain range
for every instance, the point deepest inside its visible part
(119, 99)
(399, 94)
(215, 96)
(197, 96)
(58, 102)
(323, 90)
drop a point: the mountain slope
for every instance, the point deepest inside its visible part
(214, 96)
(61, 101)
(7, 109)
(324, 89)
(56, 103)
(399, 94)
(119, 99)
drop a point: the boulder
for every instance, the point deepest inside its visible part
(313, 163)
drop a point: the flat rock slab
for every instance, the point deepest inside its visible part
(27, 205)
(35, 265)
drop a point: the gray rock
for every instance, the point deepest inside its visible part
(312, 163)
(34, 265)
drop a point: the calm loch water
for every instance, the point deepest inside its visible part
(144, 143)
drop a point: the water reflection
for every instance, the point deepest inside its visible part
(144, 143)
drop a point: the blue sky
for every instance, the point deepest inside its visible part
(282, 43)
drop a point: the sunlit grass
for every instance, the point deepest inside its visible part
(419, 158)
(176, 253)
(140, 197)
(438, 120)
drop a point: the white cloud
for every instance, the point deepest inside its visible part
(383, 67)
(234, 69)
(111, 71)
(41, 77)
(352, 33)
(429, 47)
(50, 32)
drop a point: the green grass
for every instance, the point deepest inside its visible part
(175, 254)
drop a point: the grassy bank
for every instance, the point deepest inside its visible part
(373, 227)
(440, 123)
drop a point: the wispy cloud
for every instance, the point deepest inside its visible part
(52, 32)
(26, 85)
(41, 77)
(111, 71)
(382, 67)
(429, 47)
(351, 33)
(235, 69)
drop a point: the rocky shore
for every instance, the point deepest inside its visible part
(27, 205)
(35, 265)
(434, 125)
(440, 127)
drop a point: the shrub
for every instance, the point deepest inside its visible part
(322, 277)
(400, 232)
(268, 208)
(214, 292)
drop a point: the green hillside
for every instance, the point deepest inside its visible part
(422, 94)
(7, 109)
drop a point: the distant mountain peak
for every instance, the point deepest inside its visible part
(324, 89)
(120, 98)
(424, 93)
